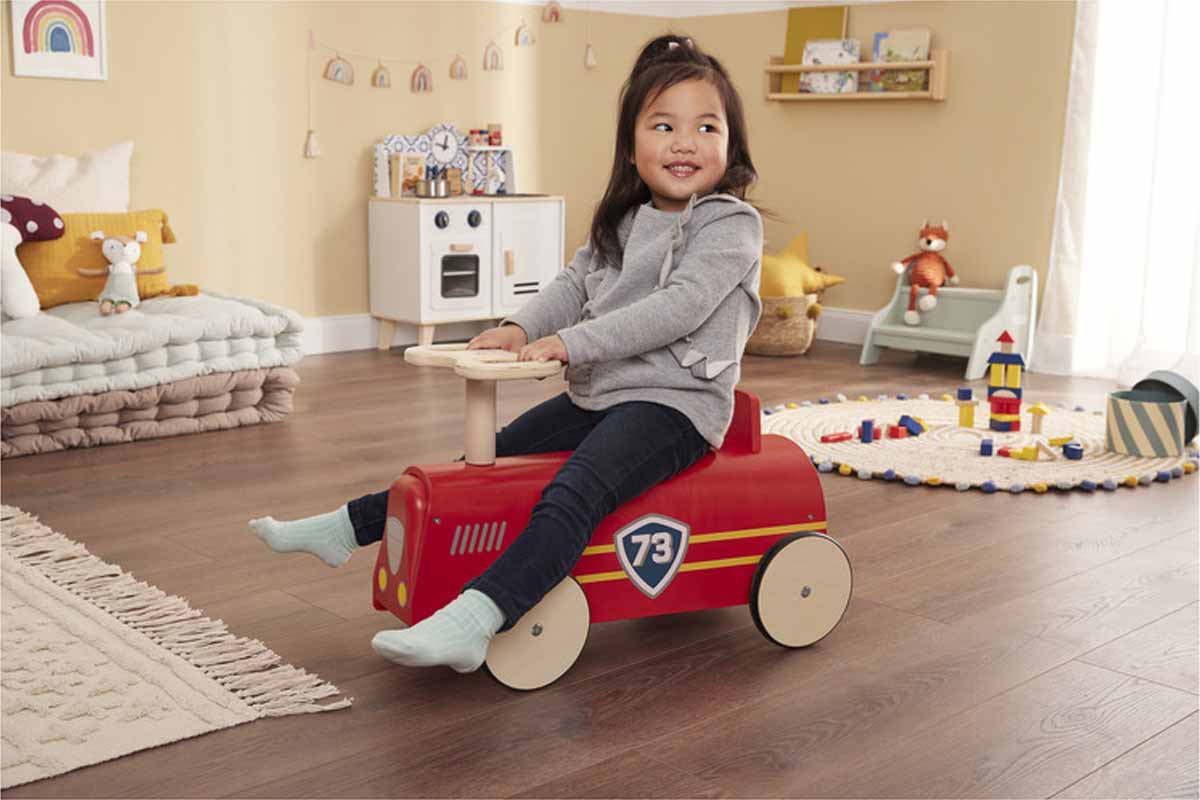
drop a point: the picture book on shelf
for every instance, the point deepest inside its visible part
(875, 77)
(805, 25)
(830, 51)
(910, 45)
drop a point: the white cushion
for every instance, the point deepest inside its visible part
(96, 183)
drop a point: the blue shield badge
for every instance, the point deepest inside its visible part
(650, 549)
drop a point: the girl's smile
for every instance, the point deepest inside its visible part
(681, 143)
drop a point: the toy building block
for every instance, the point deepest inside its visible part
(985, 447)
(1059, 441)
(1045, 450)
(914, 428)
(1004, 452)
(867, 432)
(897, 432)
(836, 437)
(966, 408)
(1029, 454)
(1037, 411)
(1073, 451)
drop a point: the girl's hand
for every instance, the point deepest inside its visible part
(507, 337)
(548, 348)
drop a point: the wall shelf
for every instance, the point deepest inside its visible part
(937, 67)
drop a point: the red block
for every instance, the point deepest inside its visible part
(1003, 452)
(858, 432)
(897, 432)
(835, 437)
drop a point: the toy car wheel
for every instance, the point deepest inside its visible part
(801, 589)
(545, 642)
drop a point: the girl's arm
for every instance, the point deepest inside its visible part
(559, 304)
(719, 258)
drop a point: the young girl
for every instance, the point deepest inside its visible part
(650, 317)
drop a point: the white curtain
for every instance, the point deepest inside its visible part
(1122, 296)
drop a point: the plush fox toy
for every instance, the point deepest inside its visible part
(927, 268)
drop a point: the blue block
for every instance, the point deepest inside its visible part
(1073, 451)
(985, 447)
(964, 394)
(866, 431)
(911, 425)
(999, 426)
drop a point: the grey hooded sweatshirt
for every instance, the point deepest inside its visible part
(667, 324)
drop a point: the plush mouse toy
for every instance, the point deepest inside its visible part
(120, 292)
(927, 268)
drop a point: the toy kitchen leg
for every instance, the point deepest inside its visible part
(387, 332)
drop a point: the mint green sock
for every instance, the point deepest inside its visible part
(330, 537)
(457, 635)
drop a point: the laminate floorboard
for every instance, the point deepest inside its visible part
(995, 646)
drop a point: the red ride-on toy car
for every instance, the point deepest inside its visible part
(745, 524)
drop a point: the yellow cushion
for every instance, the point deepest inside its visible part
(788, 273)
(52, 265)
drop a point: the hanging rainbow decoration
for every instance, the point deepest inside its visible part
(58, 26)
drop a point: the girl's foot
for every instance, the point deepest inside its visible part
(457, 635)
(330, 537)
(106, 308)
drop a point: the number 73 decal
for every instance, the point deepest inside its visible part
(650, 550)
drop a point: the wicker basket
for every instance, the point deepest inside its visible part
(785, 329)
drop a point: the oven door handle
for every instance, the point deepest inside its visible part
(462, 248)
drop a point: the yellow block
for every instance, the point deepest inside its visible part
(1059, 441)
(1006, 417)
(1014, 376)
(997, 375)
(1029, 454)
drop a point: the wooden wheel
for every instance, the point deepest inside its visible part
(545, 642)
(801, 589)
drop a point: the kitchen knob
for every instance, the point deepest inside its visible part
(474, 219)
(441, 219)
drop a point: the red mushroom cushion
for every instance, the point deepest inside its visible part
(36, 221)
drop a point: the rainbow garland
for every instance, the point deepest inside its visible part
(948, 454)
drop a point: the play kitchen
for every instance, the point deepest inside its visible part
(459, 246)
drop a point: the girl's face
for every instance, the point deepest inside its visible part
(681, 143)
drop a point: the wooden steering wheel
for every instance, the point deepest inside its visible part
(481, 368)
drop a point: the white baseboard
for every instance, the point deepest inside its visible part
(346, 332)
(846, 325)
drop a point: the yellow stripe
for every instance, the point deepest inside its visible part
(703, 538)
(1006, 417)
(694, 566)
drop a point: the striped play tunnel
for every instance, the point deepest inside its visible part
(1146, 424)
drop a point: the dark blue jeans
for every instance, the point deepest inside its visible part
(619, 453)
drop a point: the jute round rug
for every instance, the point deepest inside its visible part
(947, 454)
(98, 664)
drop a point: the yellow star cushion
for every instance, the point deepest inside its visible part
(788, 274)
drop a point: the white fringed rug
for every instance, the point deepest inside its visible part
(948, 455)
(98, 665)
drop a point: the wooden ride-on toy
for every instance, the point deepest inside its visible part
(745, 524)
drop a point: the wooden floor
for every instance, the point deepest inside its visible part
(996, 646)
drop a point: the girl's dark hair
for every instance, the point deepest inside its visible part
(664, 62)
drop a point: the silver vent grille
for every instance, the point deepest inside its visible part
(477, 537)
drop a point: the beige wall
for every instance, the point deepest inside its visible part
(213, 94)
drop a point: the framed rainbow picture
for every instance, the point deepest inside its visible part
(59, 39)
